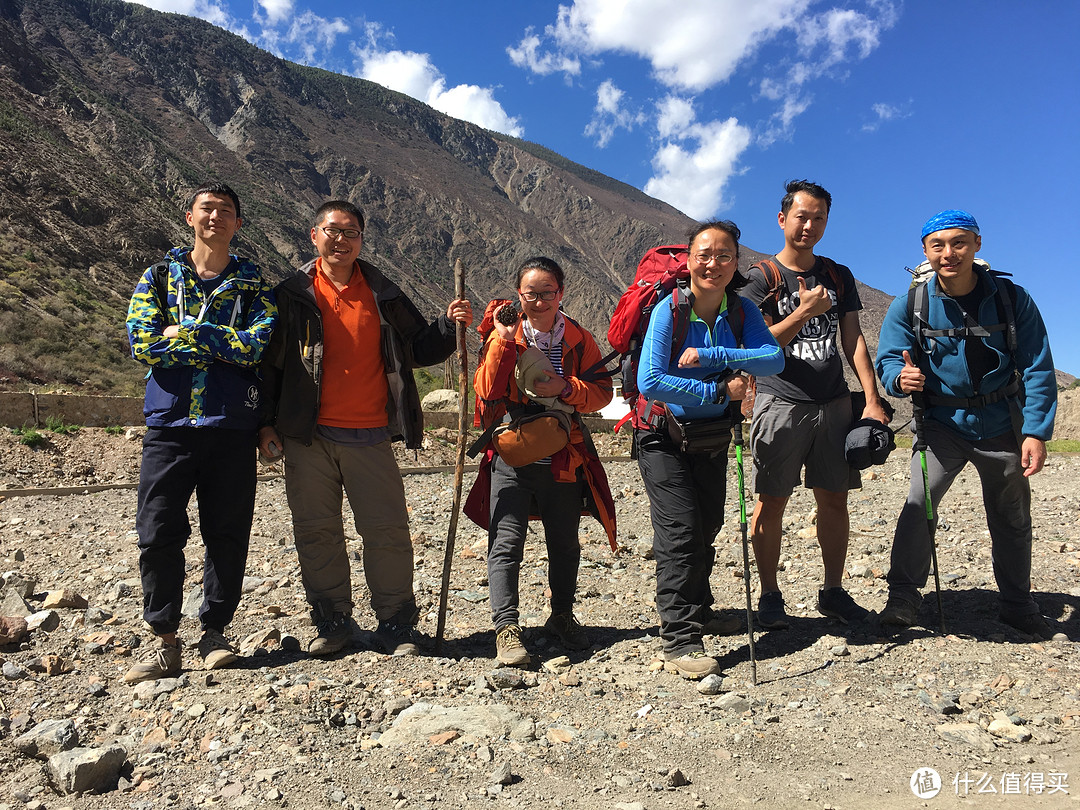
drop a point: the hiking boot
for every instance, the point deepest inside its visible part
(693, 665)
(838, 604)
(399, 635)
(162, 661)
(333, 634)
(770, 611)
(1033, 624)
(899, 612)
(509, 650)
(215, 649)
(716, 624)
(568, 630)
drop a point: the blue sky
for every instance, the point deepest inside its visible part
(900, 109)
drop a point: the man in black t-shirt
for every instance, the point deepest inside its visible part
(802, 415)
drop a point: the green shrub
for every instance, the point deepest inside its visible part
(29, 436)
(114, 430)
(56, 425)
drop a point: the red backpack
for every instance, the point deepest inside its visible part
(661, 271)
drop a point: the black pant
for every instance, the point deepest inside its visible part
(686, 503)
(218, 465)
(515, 492)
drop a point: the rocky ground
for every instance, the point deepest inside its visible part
(840, 717)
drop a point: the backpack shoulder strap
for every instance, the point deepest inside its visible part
(159, 275)
(917, 302)
(736, 317)
(834, 274)
(773, 276)
(1006, 295)
(682, 300)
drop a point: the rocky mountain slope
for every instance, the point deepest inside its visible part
(110, 113)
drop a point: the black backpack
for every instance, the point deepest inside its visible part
(918, 308)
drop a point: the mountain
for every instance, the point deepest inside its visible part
(110, 113)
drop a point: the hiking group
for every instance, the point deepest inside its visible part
(318, 371)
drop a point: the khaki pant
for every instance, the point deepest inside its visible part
(314, 479)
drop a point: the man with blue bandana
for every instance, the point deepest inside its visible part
(986, 403)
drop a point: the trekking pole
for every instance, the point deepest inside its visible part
(918, 408)
(736, 429)
(459, 468)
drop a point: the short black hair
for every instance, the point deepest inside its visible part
(341, 207)
(731, 229)
(218, 189)
(793, 187)
(541, 263)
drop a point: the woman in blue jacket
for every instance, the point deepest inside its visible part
(696, 381)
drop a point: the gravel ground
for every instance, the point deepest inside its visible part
(841, 717)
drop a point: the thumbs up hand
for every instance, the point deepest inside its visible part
(911, 376)
(813, 302)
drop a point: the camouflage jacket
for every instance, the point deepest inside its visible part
(208, 375)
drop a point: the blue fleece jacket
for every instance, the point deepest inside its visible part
(945, 364)
(694, 392)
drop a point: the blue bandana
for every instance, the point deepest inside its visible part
(953, 218)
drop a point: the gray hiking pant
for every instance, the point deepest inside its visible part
(1006, 498)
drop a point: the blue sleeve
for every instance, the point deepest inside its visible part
(895, 337)
(761, 354)
(654, 379)
(1036, 367)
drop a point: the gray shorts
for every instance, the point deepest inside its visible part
(786, 435)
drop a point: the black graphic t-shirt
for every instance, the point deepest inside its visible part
(813, 363)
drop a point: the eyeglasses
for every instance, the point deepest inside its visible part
(719, 258)
(348, 233)
(546, 295)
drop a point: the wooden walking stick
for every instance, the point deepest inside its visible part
(459, 469)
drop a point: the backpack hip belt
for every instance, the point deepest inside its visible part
(981, 401)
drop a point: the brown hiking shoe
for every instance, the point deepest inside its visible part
(568, 630)
(334, 633)
(215, 650)
(162, 661)
(693, 665)
(509, 650)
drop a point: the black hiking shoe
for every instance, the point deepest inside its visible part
(837, 603)
(770, 611)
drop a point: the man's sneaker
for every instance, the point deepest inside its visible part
(838, 604)
(398, 637)
(692, 665)
(1034, 624)
(162, 661)
(899, 612)
(715, 624)
(509, 650)
(215, 649)
(334, 632)
(770, 611)
(568, 630)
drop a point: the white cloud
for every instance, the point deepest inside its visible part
(702, 43)
(886, 112)
(610, 115)
(692, 46)
(415, 75)
(277, 11)
(527, 55)
(312, 34)
(204, 9)
(693, 165)
(675, 116)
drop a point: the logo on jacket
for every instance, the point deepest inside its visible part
(253, 396)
